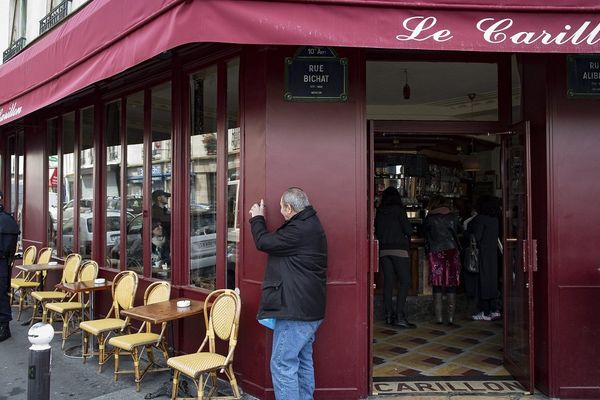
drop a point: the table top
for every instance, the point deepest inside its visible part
(164, 311)
(84, 286)
(41, 267)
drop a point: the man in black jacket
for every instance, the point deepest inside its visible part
(9, 234)
(293, 291)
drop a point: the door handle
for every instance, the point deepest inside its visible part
(511, 239)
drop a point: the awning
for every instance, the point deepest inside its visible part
(109, 36)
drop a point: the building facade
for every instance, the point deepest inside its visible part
(222, 103)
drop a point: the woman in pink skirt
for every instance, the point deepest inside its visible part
(443, 253)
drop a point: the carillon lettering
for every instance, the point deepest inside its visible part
(11, 112)
(498, 31)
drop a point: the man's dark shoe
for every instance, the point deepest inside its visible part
(4, 331)
(405, 324)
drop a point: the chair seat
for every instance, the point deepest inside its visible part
(196, 363)
(22, 283)
(48, 295)
(64, 306)
(97, 326)
(128, 342)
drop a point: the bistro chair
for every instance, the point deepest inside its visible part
(123, 294)
(69, 275)
(24, 282)
(222, 323)
(135, 343)
(72, 308)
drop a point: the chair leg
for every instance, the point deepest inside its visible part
(175, 384)
(44, 312)
(233, 381)
(100, 340)
(200, 385)
(35, 307)
(85, 346)
(21, 301)
(136, 367)
(116, 374)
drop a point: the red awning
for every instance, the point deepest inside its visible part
(108, 36)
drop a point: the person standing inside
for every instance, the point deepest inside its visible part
(160, 211)
(393, 231)
(443, 253)
(162, 215)
(9, 235)
(485, 228)
(293, 290)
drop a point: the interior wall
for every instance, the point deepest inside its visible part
(320, 147)
(575, 233)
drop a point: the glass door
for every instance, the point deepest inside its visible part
(519, 256)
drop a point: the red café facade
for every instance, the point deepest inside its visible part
(98, 84)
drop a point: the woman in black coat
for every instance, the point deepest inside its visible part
(485, 228)
(393, 231)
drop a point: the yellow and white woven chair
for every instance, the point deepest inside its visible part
(222, 323)
(24, 282)
(135, 343)
(123, 294)
(43, 297)
(70, 310)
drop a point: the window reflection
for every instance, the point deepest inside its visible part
(160, 233)
(233, 171)
(112, 140)
(86, 187)
(203, 175)
(68, 187)
(443, 91)
(51, 132)
(134, 253)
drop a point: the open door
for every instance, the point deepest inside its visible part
(519, 256)
(373, 245)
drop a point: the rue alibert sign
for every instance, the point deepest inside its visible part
(583, 75)
(316, 74)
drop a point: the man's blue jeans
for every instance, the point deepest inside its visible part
(291, 359)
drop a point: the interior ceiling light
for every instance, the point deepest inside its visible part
(471, 162)
(406, 88)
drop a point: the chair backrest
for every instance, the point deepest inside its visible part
(224, 318)
(72, 264)
(123, 292)
(88, 271)
(44, 255)
(29, 255)
(155, 293)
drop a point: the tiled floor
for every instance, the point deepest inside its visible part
(470, 349)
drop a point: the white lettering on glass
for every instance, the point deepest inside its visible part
(418, 29)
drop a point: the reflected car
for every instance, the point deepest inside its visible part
(203, 242)
(113, 219)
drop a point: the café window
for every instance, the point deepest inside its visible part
(138, 182)
(67, 194)
(214, 136)
(70, 162)
(14, 200)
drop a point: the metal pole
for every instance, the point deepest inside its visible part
(40, 355)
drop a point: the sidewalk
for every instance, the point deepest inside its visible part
(71, 379)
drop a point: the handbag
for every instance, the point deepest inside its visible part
(471, 259)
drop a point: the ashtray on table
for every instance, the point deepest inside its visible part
(183, 303)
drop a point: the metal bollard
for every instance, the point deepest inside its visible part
(40, 354)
